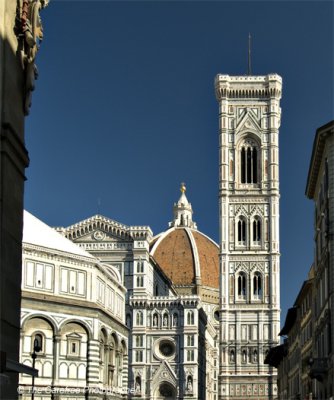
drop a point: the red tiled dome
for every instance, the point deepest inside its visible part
(187, 257)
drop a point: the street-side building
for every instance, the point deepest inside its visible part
(73, 316)
(20, 34)
(249, 121)
(305, 360)
(320, 189)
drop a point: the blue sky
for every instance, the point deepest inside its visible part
(124, 110)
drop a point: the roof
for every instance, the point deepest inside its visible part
(306, 287)
(187, 257)
(37, 233)
(289, 321)
(275, 355)
(321, 136)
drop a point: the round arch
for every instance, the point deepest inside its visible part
(46, 318)
(83, 324)
(165, 391)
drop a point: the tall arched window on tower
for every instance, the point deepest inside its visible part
(257, 285)
(249, 162)
(242, 282)
(256, 230)
(241, 230)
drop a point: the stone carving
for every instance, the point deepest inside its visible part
(31, 33)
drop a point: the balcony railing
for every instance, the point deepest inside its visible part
(318, 368)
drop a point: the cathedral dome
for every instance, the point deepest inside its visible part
(187, 256)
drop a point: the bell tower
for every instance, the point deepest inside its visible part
(249, 119)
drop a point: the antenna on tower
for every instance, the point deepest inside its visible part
(249, 55)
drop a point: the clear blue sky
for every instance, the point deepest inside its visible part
(124, 110)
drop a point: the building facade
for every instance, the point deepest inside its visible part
(171, 303)
(305, 360)
(18, 49)
(320, 189)
(249, 119)
(81, 337)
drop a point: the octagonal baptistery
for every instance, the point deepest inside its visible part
(187, 256)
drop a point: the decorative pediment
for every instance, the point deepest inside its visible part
(256, 210)
(241, 210)
(248, 123)
(257, 267)
(74, 335)
(97, 228)
(165, 373)
(241, 266)
(98, 236)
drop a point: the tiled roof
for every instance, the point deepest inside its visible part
(175, 253)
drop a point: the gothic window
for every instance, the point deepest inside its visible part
(242, 285)
(190, 318)
(38, 343)
(257, 230)
(139, 318)
(140, 266)
(139, 341)
(242, 230)
(139, 356)
(190, 355)
(248, 162)
(257, 285)
(140, 281)
(190, 340)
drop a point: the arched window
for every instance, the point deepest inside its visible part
(257, 285)
(242, 285)
(139, 341)
(232, 356)
(190, 318)
(190, 340)
(140, 266)
(242, 230)
(38, 343)
(257, 230)
(139, 318)
(140, 281)
(139, 356)
(244, 355)
(248, 163)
